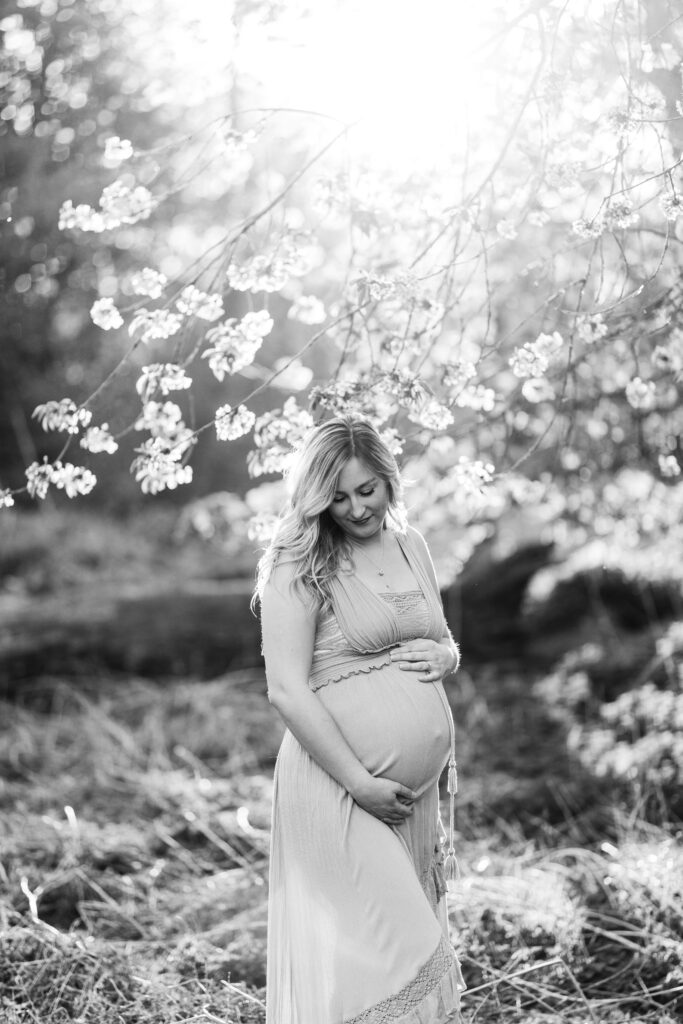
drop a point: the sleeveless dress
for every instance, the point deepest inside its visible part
(357, 925)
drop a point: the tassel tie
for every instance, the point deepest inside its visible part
(451, 867)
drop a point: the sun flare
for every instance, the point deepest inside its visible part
(404, 74)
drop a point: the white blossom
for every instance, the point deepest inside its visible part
(119, 204)
(506, 229)
(276, 435)
(6, 499)
(671, 205)
(269, 272)
(63, 416)
(669, 466)
(104, 314)
(591, 328)
(261, 527)
(99, 439)
(537, 389)
(157, 468)
(193, 302)
(393, 440)
(148, 282)
(234, 343)
(665, 358)
(117, 150)
(431, 414)
(155, 324)
(38, 478)
(162, 419)
(619, 213)
(538, 218)
(233, 423)
(164, 377)
(533, 358)
(588, 228)
(476, 397)
(73, 480)
(456, 375)
(640, 394)
(307, 309)
(126, 204)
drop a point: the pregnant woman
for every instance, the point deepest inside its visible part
(356, 645)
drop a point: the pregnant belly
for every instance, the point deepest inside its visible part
(396, 726)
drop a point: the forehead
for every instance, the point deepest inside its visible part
(354, 474)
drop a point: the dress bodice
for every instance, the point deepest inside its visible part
(358, 632)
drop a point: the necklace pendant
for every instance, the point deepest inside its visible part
(381, 572)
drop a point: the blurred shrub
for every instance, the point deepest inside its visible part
(635, 739)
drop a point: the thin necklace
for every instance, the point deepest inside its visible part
(379, 568)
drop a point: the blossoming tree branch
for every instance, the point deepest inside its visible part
(506, 309)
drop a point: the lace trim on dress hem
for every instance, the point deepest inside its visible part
(429, 976)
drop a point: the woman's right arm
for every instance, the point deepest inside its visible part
(288, 626)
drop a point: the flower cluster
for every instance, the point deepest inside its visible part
(268, 272)
(158, 468)
(591, 328)
(640, 394)
(669, 466)
(354, 397)
(276, 436)
(430, 413)
(117, 150)
(467, 478)
(476, 397)
(6, 499)
(233, 423)
(262, 527)
(456, 375)
(73, 480)
(193, 302)
(506, 229)
(537, 389)
(588, 228)
(378, 287)
(164, 377)
(104, 314)
(671, 205)
(155, 324)
(119, 204)
(667, 358)
(619, 214)
(63, 416)
(234, 343)
(307, 309)
(148, 282)
(99, 439)
(534, 358)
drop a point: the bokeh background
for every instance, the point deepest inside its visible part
(462, 223)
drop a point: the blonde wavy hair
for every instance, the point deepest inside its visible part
(306, 534)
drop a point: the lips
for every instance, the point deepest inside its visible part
(360, 522)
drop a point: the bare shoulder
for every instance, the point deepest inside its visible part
(282, 589)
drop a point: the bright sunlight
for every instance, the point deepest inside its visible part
(403, 74)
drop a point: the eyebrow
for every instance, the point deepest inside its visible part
(366, 483)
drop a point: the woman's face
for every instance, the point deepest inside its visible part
(360, 501)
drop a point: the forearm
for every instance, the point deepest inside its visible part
(309, 720)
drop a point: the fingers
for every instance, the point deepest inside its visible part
(406, 793)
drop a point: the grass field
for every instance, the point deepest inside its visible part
(134, 828)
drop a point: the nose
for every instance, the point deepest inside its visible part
(357, 507)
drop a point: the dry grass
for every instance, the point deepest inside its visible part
(134, 861)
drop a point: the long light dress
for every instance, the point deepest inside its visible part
(357, 925)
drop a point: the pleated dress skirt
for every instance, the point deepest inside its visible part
(357, 925)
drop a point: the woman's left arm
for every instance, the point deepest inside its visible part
(434, 659)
